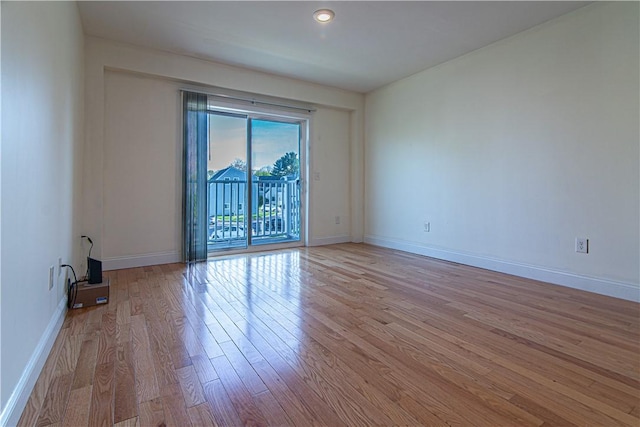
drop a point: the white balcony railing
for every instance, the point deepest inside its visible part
(274, 216)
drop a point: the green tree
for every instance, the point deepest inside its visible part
(239, 164)
(286, 165)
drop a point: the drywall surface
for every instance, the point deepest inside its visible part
(142, 163)
(514, 150)
(329, 177)
(133, 152)
(42, 118)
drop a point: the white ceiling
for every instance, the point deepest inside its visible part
(369, 44)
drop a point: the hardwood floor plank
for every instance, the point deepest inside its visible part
(206, 337)
(143, 365)
(614, 364)
(123, 312)
(136, 304)
(273, 412)
(55, 401)
(311, 402)
(243, 368)
(318, 386)
(175, 410)
(68, 356)
(238, 394)
(373, 371)
(346, 334)
(456, 411)
(164, 367)
(93, 323)
(125, 401)
(573, 360)
(190, 339)
(523, 352)
(123, 333)
(621, 401)
(107, 338)
(77, 324)
(86, 364)
(101, 410)
(190, 386)
(151, 413)
(220, 404)
(204, 369)
(549, 418)
(131, 422)
(562, 406)
(77, 411)
(361, 381)
(200, 415)
(34, 403)
(296, 410)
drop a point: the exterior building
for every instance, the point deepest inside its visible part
(275, 205)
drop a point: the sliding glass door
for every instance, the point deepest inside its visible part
(227, 181)
(253, 180)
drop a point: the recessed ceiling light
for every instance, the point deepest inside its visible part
(323, 15)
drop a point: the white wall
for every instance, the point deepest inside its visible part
(133, 152)
(142, 163)
(330, 192)
(42, 118)
(514, 150)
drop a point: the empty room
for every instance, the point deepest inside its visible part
(343, 213)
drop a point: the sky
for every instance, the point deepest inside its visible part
(228, 135)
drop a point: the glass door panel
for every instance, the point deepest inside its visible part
(227, 181)
(275, 190)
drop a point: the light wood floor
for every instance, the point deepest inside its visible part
(341, 335)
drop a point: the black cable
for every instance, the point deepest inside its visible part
(72, 290)
(86, 276)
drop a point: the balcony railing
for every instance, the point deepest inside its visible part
(274, 216)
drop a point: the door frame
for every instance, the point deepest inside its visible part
(278, 114)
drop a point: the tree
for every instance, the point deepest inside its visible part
(239, 164)
(286, 165)
(263, 171)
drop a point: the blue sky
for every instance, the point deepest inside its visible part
(271, 140)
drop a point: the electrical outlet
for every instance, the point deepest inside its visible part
(427, 227)
(582, 245)
(51, 270)
(316, 176)
(337, 219)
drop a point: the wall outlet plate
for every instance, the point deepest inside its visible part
(582, 245)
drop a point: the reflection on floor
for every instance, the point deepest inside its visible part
(340, 335)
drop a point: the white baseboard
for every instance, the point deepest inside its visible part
(331, 240)
(18, 400)
(627, 291)
(118, 263)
